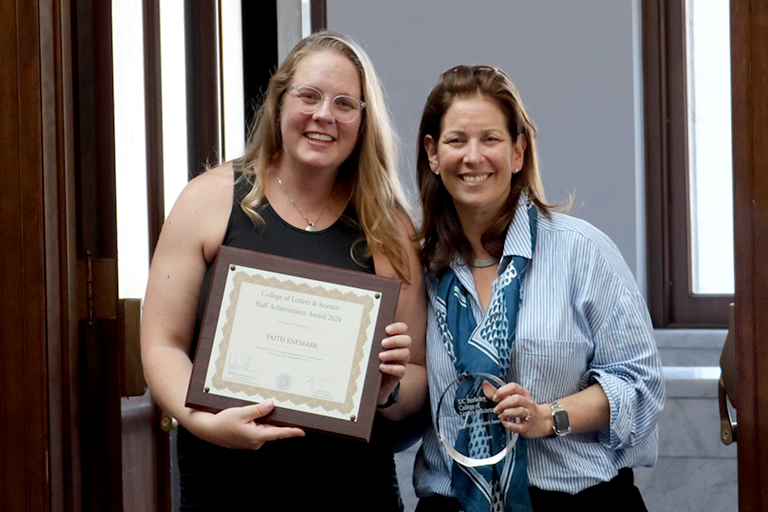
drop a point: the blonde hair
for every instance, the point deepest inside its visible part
(369, 172)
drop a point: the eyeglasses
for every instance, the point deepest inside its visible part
(345, 108)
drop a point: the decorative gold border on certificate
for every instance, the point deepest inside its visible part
(241, 277)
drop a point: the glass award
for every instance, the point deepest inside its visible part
(465, 411)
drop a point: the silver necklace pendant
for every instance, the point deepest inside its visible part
(311, 227)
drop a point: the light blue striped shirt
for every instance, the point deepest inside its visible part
(582, 320)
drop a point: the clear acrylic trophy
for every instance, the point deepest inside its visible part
(464, 409)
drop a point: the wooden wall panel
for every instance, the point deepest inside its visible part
(61, 254)
(39, 448)
(24, 440)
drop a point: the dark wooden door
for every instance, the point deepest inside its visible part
(749, 62)
(68, 440)
(124, 463)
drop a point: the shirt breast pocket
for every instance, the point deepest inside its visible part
(550, 369)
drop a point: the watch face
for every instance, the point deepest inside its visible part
(561, 421)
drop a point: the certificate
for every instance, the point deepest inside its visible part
(305, 335)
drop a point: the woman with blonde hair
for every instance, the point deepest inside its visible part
(318, 183)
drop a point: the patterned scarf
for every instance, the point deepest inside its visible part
(502, 487)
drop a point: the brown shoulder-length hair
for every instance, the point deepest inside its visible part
(441, 233)
(370, 172)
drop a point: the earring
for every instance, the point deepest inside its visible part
(517, 171)
(437, 173)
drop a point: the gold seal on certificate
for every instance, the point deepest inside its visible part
(305, 335)
(464, 413)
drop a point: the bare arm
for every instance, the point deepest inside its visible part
(190, 240)
(404, 360)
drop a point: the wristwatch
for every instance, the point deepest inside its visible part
(392, 400)
(561, 425)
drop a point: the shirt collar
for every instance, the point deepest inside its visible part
(518, 241)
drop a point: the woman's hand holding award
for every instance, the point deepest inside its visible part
(466, 414)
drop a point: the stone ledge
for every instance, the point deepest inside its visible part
(690, 338)
(691, 381)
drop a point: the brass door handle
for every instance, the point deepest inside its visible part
(727, 427)
(727, 388)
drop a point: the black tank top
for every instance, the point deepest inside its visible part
(316, 472)
(341, 245)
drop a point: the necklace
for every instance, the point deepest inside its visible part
(482, 263)
(310, 225)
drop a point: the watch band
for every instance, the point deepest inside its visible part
(392, 400)
(561, 424)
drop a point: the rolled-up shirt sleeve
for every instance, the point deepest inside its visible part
(582, 321)
(626, 364)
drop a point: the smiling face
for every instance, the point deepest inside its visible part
(476, 157)
(317, 141)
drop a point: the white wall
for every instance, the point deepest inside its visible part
(576, 64)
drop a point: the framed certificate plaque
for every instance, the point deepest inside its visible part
(305, 335)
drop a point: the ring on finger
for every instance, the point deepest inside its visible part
(527, 414)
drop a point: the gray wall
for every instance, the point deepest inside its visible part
(576, 63)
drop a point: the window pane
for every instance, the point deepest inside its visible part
(174, 96)
(232, 79)
(130, 148)
(306, 19)
(709, 96)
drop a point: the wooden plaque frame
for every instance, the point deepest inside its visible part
(387, 292)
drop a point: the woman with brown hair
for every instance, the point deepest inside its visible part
(530, 309)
